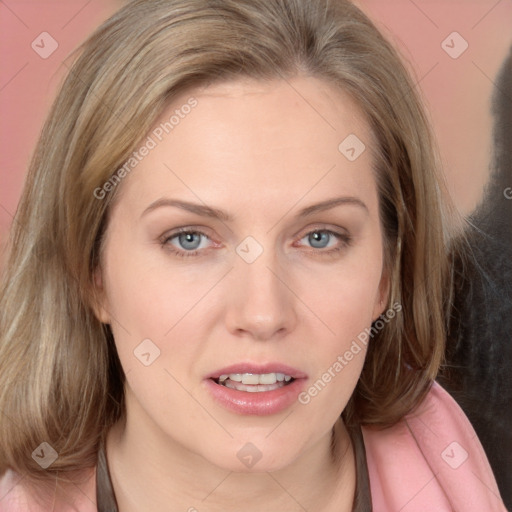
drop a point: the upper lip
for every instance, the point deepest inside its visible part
(258, 368)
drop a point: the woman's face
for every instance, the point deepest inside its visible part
(245, 248)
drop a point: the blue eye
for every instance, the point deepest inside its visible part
(319, 239)
(322, 239)
(325, 242)
(188, 241)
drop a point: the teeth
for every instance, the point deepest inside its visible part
(251, 388)
(260, 378)
(256, 380)
(250, 378)
(268, 378)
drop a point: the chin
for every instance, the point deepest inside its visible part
(254, 456)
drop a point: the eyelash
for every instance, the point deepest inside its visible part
(165, 242)
(344, 238)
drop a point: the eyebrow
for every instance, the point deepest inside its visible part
(216, 213)
(332, 203)
(198, 209)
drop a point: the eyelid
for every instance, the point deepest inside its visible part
(343, 237)
(165, 242)
(185, 229)
(325, 227)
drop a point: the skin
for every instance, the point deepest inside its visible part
(261, 152)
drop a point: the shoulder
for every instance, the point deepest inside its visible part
(431, 460)
(17, 495)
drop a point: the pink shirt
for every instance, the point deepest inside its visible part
(429, 461)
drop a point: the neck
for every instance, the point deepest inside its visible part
(150, 471)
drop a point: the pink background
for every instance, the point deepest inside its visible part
(457, 91)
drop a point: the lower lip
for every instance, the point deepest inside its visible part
(260, 403)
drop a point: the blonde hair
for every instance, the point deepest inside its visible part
(61, 381)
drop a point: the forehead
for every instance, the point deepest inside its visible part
(276, 140)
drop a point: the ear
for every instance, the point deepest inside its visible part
(99, 297)
(382, 295)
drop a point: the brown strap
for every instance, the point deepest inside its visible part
(105, 497)
(363, 495)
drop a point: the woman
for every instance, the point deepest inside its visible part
(229, 273)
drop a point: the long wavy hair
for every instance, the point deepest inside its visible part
(61, 381)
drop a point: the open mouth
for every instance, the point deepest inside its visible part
(254, 382)
(249, 388)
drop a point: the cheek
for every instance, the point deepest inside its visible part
(339, 357)
(344, 297)
(343, 301)
(171, 308)
(146, 298)
(137, 313)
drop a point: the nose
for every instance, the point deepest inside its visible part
(260, 305)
